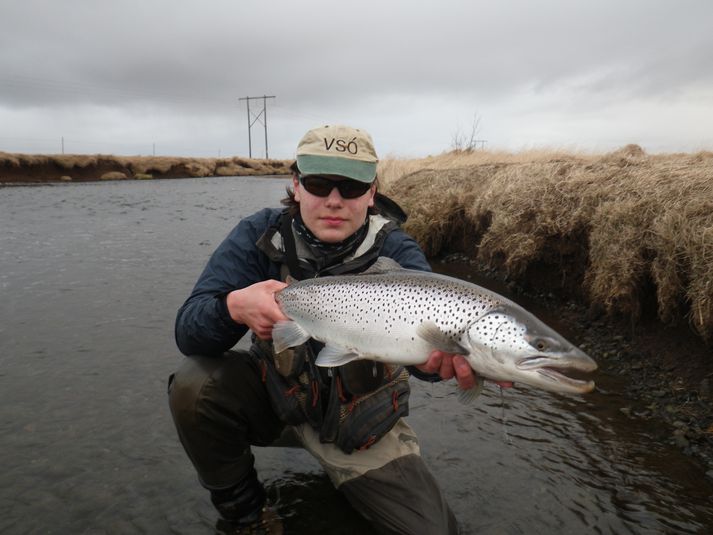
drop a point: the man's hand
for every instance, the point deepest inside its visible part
(448, 365)
(255, 306)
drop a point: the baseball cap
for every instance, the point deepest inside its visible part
(337, 150)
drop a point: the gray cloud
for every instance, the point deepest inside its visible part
(372, 59)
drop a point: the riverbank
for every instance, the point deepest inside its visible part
(41, 168)
(629, 233)
(619, 246)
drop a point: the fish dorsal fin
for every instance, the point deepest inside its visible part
(433, 334)
(290, 280)
(383, 264)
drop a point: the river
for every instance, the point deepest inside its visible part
(91, 276)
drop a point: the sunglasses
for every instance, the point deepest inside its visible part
(322, 187)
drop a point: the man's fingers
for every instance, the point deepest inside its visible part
(464, 373)
(447, 371)
(448, 366)
(277, 314)
(264, 331)
(274, 285)
(433, 364)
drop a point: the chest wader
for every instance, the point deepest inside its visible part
(353, 405)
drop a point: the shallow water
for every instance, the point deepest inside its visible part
(90, 278)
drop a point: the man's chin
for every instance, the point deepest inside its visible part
(331, 235)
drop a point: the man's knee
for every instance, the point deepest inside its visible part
(220, 408)
(202, 383)
(184, 390)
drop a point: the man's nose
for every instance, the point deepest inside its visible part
(334, 197)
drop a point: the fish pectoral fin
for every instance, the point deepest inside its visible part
(288, 334)
(432, 334)
(383, 264)
(468, 396)
(331, 356)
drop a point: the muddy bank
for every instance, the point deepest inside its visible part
(37, 168)
(665, 372)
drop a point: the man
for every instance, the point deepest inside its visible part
(223, 402)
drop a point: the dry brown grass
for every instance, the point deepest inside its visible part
(392, 168)
(629, 223)
(40, 167)
(65, 161)
(150, 165)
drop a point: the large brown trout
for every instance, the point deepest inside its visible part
(400, 316)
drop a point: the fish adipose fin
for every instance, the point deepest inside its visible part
(331, 356)
(468, 396)
(288, 334)
(383, 264)
(432, 334)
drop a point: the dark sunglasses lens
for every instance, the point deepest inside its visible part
(322, 187)
(351, 189)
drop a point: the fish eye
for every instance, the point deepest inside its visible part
(539, 344)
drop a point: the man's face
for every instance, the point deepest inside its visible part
(332, 218)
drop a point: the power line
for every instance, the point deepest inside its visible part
(251, 121)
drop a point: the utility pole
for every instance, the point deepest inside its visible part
(261, 116)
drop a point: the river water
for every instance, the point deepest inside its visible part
(90, 278)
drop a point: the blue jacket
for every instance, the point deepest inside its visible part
(203, 324)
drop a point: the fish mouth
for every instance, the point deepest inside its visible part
(562, 372)
(582, 386)
(576, 361)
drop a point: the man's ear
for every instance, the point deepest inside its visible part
(372, 195)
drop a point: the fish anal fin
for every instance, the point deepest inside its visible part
(331, 356)
(433, 334)
(288, 334)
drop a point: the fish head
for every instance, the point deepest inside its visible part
(510, 344)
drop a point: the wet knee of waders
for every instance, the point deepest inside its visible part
(184, 388)
(198, 379)
(241, 502)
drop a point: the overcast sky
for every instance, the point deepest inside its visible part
(164, 76)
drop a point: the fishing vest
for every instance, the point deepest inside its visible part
(352, 405)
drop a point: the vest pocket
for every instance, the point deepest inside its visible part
(366, 419)
(286, 394)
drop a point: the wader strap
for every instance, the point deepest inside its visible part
(290, 248)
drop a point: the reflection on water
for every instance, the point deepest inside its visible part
(90, 278)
